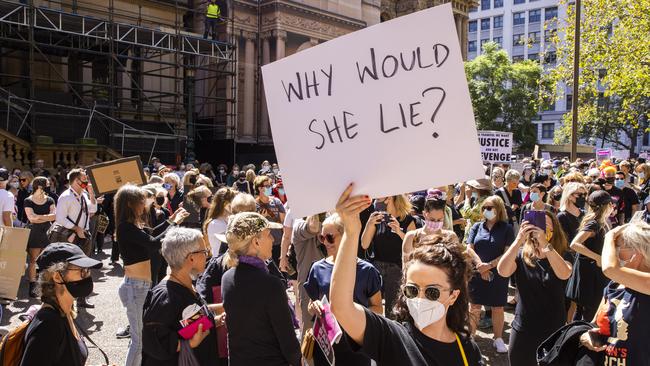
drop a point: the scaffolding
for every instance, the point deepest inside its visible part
(118, 73)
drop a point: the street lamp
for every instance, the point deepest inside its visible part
(576, 76)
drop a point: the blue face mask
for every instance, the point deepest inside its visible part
(167, 186)
(535, 197)
(489, 214)
(619, 183)
(268, 192)
(281, 192)
(474, 195)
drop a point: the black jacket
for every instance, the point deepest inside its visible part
(49, 341)
(563, 347)
(260, 325)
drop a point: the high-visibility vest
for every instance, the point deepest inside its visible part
(213, 11)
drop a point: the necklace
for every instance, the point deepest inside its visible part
(176, 279)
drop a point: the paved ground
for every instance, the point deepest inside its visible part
(102, 322)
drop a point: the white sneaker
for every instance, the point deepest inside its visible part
(500, 346)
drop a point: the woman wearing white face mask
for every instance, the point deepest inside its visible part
(643, 187)
(432, 325)
(434, 215)
(489, 239)
(536, 196)
(623, 318)
(476, 191)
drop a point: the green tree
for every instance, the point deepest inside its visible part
(506, 96)
(614, 88)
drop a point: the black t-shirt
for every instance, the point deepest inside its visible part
(630, 198)
(570, 224)
(163, 311)
(391, 343)
(386, 244)
(595, 243)
(541, 296)
(43, 209)
(624, 320)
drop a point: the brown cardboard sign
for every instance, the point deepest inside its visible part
(108, 177)
(13, 242)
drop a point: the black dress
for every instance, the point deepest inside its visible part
(38, 234)
(540, 310)
(587, 280)
(570, 224)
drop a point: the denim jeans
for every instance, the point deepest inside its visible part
(132, 293)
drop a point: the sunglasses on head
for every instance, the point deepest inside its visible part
(412, 291)
(327, 237)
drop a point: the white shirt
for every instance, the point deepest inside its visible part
(216, 226)
(69, 205)
(7, 202)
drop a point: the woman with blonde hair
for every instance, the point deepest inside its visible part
(267, 321)
(382, 239)
(489, 239)
(572, 204)
(540, 262)
(217, 218)
(643, 188)
(587, 280)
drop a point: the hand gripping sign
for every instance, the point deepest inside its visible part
(386, 107)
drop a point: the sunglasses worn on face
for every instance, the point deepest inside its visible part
(23, 179)
(430, 292)
(488, 208)
(85, 272)
(327, 237)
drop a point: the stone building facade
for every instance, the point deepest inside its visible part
(278, 28)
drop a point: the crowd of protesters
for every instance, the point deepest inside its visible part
(409, 278)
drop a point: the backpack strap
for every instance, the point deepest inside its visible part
(86, 336)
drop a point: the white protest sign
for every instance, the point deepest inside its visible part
(546, 155)
(603, 154)
(496, 146)
(386, 107)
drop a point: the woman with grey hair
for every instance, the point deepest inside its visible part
(260, 324)
(52, 337)
(622, 329)
(169, 302)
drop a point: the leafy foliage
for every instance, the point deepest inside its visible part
(614, 89)
(506, 96)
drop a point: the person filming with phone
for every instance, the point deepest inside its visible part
(540, 261)
(383, 237)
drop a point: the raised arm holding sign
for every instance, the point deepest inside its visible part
(388, 96)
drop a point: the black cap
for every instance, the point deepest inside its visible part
(4, 174)
(599, 198)
(65, 252)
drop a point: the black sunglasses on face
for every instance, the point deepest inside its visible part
(327, 237)
(488, 208)
(412, 291)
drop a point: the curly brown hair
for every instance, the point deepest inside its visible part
(453, 259)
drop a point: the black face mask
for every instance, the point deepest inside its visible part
(81, 288)
(192, 180)
(580, 202)
(160, 200)
(557, 197)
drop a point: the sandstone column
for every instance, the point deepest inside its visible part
(264, 127)
(249, 85)
(281, 38)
